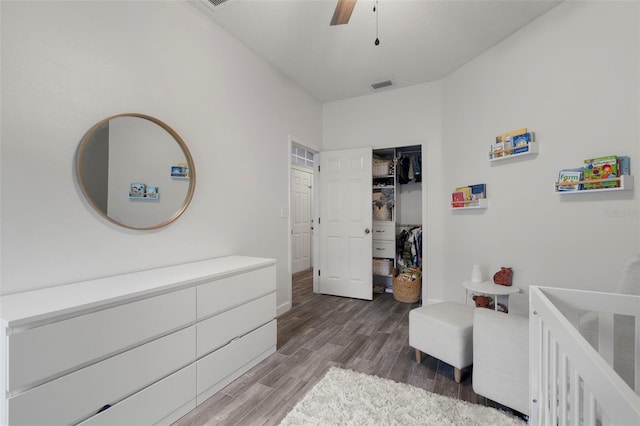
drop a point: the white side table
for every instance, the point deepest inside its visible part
(489, 287)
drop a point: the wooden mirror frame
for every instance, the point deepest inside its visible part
(189, 160)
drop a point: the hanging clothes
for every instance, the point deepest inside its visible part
(409, 168)
(409, 246)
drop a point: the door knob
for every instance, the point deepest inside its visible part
(367, 230)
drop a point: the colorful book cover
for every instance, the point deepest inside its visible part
(601, 168)
(509, 135)
(152, 192)
(137, 190)
(456, 197)
(521, 142)
(568, 178)
(466, 191)
(478, 191)
(624, 165)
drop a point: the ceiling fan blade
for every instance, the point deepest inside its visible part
(343, 12)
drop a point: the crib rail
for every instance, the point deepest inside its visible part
(570, 382)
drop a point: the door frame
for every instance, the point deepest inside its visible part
(314, 198)
(307, 170)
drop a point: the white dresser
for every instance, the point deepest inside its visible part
(140, 348)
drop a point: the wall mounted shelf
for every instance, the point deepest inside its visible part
(482, 203)
(534, 148)
(626, 184)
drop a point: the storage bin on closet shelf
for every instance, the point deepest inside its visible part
(383, 201)
(382, 167)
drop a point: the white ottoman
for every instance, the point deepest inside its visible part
(444, 331)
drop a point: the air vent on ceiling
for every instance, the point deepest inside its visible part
(217, 3)
(381, 84)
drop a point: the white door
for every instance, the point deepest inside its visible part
(345, 223)
(301, 190)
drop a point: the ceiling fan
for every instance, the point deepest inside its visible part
(343, 12)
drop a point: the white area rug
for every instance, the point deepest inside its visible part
(345, 397)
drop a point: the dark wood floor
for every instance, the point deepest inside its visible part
(320, 332)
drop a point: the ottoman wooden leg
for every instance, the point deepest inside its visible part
(418, 356)
(457, 374)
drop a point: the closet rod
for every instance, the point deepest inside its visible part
(410, 152)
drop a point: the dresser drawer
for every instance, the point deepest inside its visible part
(384, 249)
(219, 368)
(41, 353)
(162, 403)
(219, 330)
(78, 395)
(226, 293)
(384, 231)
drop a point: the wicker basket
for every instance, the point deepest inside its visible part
(382, 266)
(381, 213)
(407, 291)
(381, 168)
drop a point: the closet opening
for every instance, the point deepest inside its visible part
(397, 220)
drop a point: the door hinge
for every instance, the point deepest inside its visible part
(318, 272)
(318, 168)
(318, 221)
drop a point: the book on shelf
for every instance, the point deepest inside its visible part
(567, 179)
(457, 199)
(624, 165)
(520, 143)
(137, 190)
(506, 143)
(466, 191)
(478, 191)
(601, 168)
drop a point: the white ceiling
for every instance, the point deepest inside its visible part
(420, 40)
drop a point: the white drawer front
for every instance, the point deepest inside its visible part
(214, 368)
(217, 331)
(39, 353)
(82, 393)
(220, 295)
(162, 403)
(384, 249)
(384, 231)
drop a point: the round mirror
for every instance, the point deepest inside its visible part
(136, 171)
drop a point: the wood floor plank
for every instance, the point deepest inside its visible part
(321, 332)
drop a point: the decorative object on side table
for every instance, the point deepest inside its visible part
(487, 302)
(504, 276)
(476, 274)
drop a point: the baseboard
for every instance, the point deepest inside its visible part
(285, 307)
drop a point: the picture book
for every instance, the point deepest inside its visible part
(478, 191)
(456, 197)
(520, 143)
(137, 190)
(509, 135)
(601, 168)
(624, 165)
(568, 178)
(152, 192)
(466, 191)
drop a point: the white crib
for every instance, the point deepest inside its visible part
(584, 357)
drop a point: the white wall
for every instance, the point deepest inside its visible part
(67, 65)
(403, 117)
(572, 77)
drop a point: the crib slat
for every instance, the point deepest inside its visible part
(605, 336)
(636, 381)
(562, 398)
(553, 374)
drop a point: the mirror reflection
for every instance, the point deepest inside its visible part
(135, 171)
